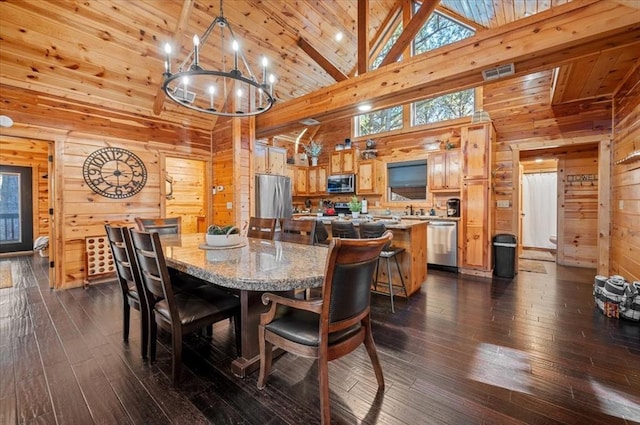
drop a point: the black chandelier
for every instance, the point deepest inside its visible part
(226, 92)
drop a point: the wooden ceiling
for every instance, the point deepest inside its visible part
(109, 52)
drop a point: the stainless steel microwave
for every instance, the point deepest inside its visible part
(344, 183)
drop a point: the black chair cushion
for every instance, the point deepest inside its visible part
(303, 327)
(192, 308)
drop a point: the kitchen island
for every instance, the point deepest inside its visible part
(408, 234)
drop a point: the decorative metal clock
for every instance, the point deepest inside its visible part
(114, 172)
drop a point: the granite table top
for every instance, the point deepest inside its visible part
(256, 265)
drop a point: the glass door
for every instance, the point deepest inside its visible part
(16, 209)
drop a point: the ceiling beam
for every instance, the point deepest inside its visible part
(410, 31)
(177, 35)
(541, 41)
(363, 36)
(324, 63)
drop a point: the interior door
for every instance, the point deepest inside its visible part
(16, 209)
(520, 209)
(185, 192)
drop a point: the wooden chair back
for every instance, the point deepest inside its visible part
(162, 225)
(261, 228)
(298, 231)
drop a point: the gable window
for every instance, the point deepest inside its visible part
(450, 106)
(439, 31)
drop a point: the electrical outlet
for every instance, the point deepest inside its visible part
(229, 205)
(503, 203)
(621, 204)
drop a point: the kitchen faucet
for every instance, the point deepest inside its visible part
(410, 209)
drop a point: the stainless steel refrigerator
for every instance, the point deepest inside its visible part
(273, 196)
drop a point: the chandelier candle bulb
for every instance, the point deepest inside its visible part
(196, 44)
(212, 91)
(264, 70)
(167, 63)
(235, 54)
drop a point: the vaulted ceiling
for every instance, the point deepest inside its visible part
(109, 52)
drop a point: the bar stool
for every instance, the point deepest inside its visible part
(375, 230)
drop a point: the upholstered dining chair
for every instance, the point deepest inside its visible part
(322, 236)
(375, 230)
(261, 228)
(162, 225)
(343, 229)
(298, 231)
(178, 312)
(331, 326)
(133, 291)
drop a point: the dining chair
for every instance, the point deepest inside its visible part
(261, 228)
(329, 327)
(162, 225)
(178, 312)
(343, 229)
(375, 230)
(298, 231)
(134, 293)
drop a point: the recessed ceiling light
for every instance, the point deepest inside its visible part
(339, 36)
(364, 108)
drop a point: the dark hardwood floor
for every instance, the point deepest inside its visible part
(463, 350)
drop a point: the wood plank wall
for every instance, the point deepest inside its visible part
(76, 130)
(31, 153)
(189, 199)
(625, 199)
(222, 158)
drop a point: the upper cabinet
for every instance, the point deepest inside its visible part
(444, 171)
(476, 142)
(269, 159)
(343, 162)
(370, 177)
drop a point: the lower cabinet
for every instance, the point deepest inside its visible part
(476, 226)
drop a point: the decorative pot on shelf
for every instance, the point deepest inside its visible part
(314, 161)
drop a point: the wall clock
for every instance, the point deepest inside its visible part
(114, 172)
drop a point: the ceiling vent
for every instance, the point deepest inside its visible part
(498, 72)
(309, 121)
(184, 96)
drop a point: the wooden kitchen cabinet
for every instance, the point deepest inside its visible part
(269, 159)
(476, 229)
(370, 178)
(476, 149)
(343, 162)
(444, 171)
(300, 180)
(317, 180)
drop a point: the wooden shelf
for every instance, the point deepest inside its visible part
(632, 157)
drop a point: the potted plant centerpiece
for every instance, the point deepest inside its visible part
(223, 235)
(355, 207)
(313, 150)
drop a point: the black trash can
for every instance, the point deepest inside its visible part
(504, 255)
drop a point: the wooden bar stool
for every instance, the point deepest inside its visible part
(375, 230)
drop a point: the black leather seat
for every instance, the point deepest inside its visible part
(343, 229)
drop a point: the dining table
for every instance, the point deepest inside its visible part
(249, 268)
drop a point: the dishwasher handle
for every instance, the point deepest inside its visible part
(441, 224)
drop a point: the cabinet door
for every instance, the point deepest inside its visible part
(437, 171)
(300, 181)
(260, 164)
(476, 144)
(366, 177)
(313, 181)
(277, 160)
(475, 225)
(290, 171)
(348, 161)
(335, 167)
(322, 179)
(453, 169)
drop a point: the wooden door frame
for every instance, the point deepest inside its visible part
(604, 190)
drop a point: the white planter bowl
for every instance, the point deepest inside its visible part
(223, 240)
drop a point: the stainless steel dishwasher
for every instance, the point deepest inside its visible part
(442, 244)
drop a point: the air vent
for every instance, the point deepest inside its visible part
(309, 121)
(179, 93)
(498, 72)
